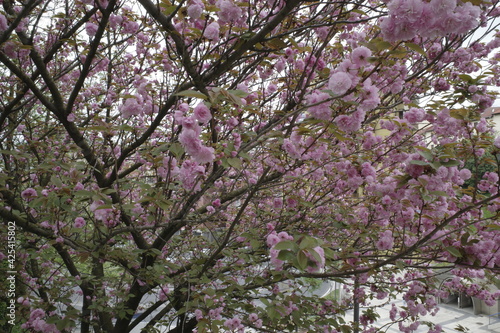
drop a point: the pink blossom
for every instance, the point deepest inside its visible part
(437, 329)
(191, 123)
(350, 123)
(45, 224)
(4, 25)
(10, 49)
(204, 155)
(368, 170)
(409, 18)
(277, 263)
(283, 235)
(318, 109)
(339, 83)
(414, 115)
(371, 98)
(29, 194)
(91, 28)
(130, 27)
(198, 314)
(228, 11)
(482, 126)
(443, 7)
(233, 324)
(131, 107)
(441, 85)
(491, 176)
(318, 264)
(360, 55)
(291, 149)
(386, 241)
(195, 9)
(115, 20)
(202, 113)
(272, 88)
(272, 239)
(188, 174)
(163, 294)
(280, 65)
(253, 317)
(79, 222)
(212, 31)
(101, 214)
(191, 142)
(465, 174)
(497, 142)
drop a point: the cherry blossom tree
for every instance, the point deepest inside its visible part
(197, 163)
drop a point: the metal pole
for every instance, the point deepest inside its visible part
(356, 306)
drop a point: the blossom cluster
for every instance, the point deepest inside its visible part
(409, 18)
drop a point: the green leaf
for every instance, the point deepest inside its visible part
(285, 245)
(225, 163)
(235, 163)
(247, 35)
(108, 191)
(192, 93)
(285, 255)
(493, 226)
(163, 204)
(439, 193)
(272, 313)
(417, 162)
(400, 54)
(450, 163)
(308, 242)
(464, 239)
(176, 149)
(238, 93)
(255, 244)
(416, 48)
(453, 251)
(210, 291)
(302, 260)
(435, 164)
(265, 301)
(382, 45)
(359, 11)
(56, 181)
(330, 254)
(425, 153)
(84, 193)
(63, 323)
(244, 155)
(276, 43)
(465, 77)
(230, 96)
(314, 254)
(400, 264)
(460, 114)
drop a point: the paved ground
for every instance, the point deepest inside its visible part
(449, 317)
